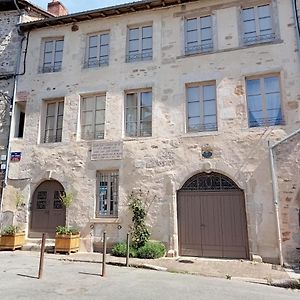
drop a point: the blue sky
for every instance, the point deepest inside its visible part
(81, 5)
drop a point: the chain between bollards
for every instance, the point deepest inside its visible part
(42, 256)
(127, 250)
(104, 255)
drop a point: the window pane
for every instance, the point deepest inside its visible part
(206, 34)
(265, 24)
(194, 123)
(131, 129)
(48, 58)
(193, 94)
(146, 114)
(93, 41)
(87, 118)
(249, 27)
(146, 129)
(99, 128)
(87, 131)
(59, 45)
(147, 43)
(131, 115)
(205, 22)
(88, 103)
(100, 117)
(58, 56)
(59, 122)
(248, 14)
(255, 103)
(104, 51)
(131, 100)
(93, 52)
(50, 123)
(49, 46)
(134, 34)
(271, 84)
(51, 109)
(264, 11)
(147, 32)
(192, 36)
(194, 109)
(104, 39)
(146, 99)
(134, 45)
(253, 87)
(191, 24)
(100, 102)
(60, 108)
(209, 92)
(209, 108)
(273, 101)
(210, 121)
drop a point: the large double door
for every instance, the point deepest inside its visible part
(47, 211)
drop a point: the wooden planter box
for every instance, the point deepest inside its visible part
(12, 242)
(67, 243)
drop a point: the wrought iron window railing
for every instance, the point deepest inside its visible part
(203, 127)
(91, 63)
(259, 38)
(266, 122)
(52, 139)
(50, 69)
(141, 56)
(98, 135)
(200, 48)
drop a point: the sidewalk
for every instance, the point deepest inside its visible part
(230, 269)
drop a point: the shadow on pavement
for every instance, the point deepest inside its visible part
(28, 276)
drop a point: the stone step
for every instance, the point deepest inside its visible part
(35, 245)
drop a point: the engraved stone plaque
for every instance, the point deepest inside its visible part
(107, 150)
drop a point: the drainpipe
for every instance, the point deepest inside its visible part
(275, 190)
(296, 17)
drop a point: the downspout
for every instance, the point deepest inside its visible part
(275, 190)
(296, 17)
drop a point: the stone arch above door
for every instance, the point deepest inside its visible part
(47, 211)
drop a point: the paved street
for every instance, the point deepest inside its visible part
(75, 280)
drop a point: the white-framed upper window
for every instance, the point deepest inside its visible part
(264, 101)
(140, 44)
(107, 193)
(198, 35)
(97, 50)
(93, 117)
(54, 121)
(52, 55)
(138, 113)
(201, 107)
(257, 24)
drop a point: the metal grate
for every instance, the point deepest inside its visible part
(52, 139)
(203, 127)
(139, 56)
(266, 122)
(259, 38)
(209, 182)
(50, 69)
(92, 63)
(98, 135)
(200, 48)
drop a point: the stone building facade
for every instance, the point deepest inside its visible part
(179, 100)
(11, 42)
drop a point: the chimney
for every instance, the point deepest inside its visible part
(57, 9)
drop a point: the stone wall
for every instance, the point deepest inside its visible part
(163, 162)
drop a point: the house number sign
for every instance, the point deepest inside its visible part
(106, 150)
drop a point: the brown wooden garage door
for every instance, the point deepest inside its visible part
(212, 218)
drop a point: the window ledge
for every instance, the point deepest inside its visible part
(201, 133)
(242, 47)
(106, 220)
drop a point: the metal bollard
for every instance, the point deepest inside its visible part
(42, 256)
(104, 254)
(127, 250)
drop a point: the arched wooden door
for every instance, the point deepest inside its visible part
(212, 218)
(47, 211)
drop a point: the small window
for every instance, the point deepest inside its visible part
(20, 108)
(97, 51)
(93, 117)
(52, 55)
(264, 101)
(257, 24)
(201, 107)
(139, 44)
(107, 194)
(54, 121)
(139, 113)
(198, 35)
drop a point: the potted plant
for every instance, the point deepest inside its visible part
(12, 238)
(67, 239)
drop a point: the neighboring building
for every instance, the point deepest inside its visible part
(11, 40)
(178, 98)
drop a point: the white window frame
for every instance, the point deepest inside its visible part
(200, 47)
(53, 138)
(265, 121)
(202, 126)
(51, 68)
(140, 56)
(94, 135)
(108, 198)
(101, 60)
(138, 116)
(258, 38)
